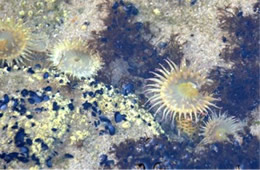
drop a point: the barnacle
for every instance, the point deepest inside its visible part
(16, 42)
(178, 92)
(219, 127)
(75, 58)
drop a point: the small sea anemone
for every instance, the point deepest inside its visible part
(75, 58)
(219, 127)
(178, 91)
(16, 42)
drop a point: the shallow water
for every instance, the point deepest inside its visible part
(143, 92)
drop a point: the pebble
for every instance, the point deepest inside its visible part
(111, 129)
(49, 162)
(45, 75)
(115, 5)
(119, 117)
(6, 98)
(93, 114)
(9, 69)
(34, 97)
(29, 142)
(24, 92)
(130, 9)
(48, 88)
(100, 91)
(104, 119)
(45, 98)
(96, 123)
(11, 156)
(30, 70)
(34, 158)
(86, 105)
(55, 106)
(91, 94)
(25, 151)
(39, 109)
(68, 156)
(19, 138)
(4, 102)
(105, 162)
(23, 159)
(29, 116)
(94, 109)
(3, 106)
(103, 159)
(44, 146)
(193, 2)
(71, 106)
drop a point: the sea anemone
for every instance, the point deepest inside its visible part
(16, 42)
(178, 92)
(75, 58)
(219, 127)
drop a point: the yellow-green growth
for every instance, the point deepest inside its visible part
(42, 123)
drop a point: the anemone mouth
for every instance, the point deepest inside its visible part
(219, 127)
(75, 58)
(177, 92)
(15, 42)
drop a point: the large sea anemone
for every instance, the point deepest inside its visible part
(75, 58)
(219, 127)
(177, 92)
(16, 42)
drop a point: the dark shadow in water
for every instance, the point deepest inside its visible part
(128, 42)
(238, 88)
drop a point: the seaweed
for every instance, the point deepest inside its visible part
(238, 87)
(230, 155)
(129, 41)
(148, 153)
(158, 152)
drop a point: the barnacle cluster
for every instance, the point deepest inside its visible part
(33, 121)
(38, 115)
